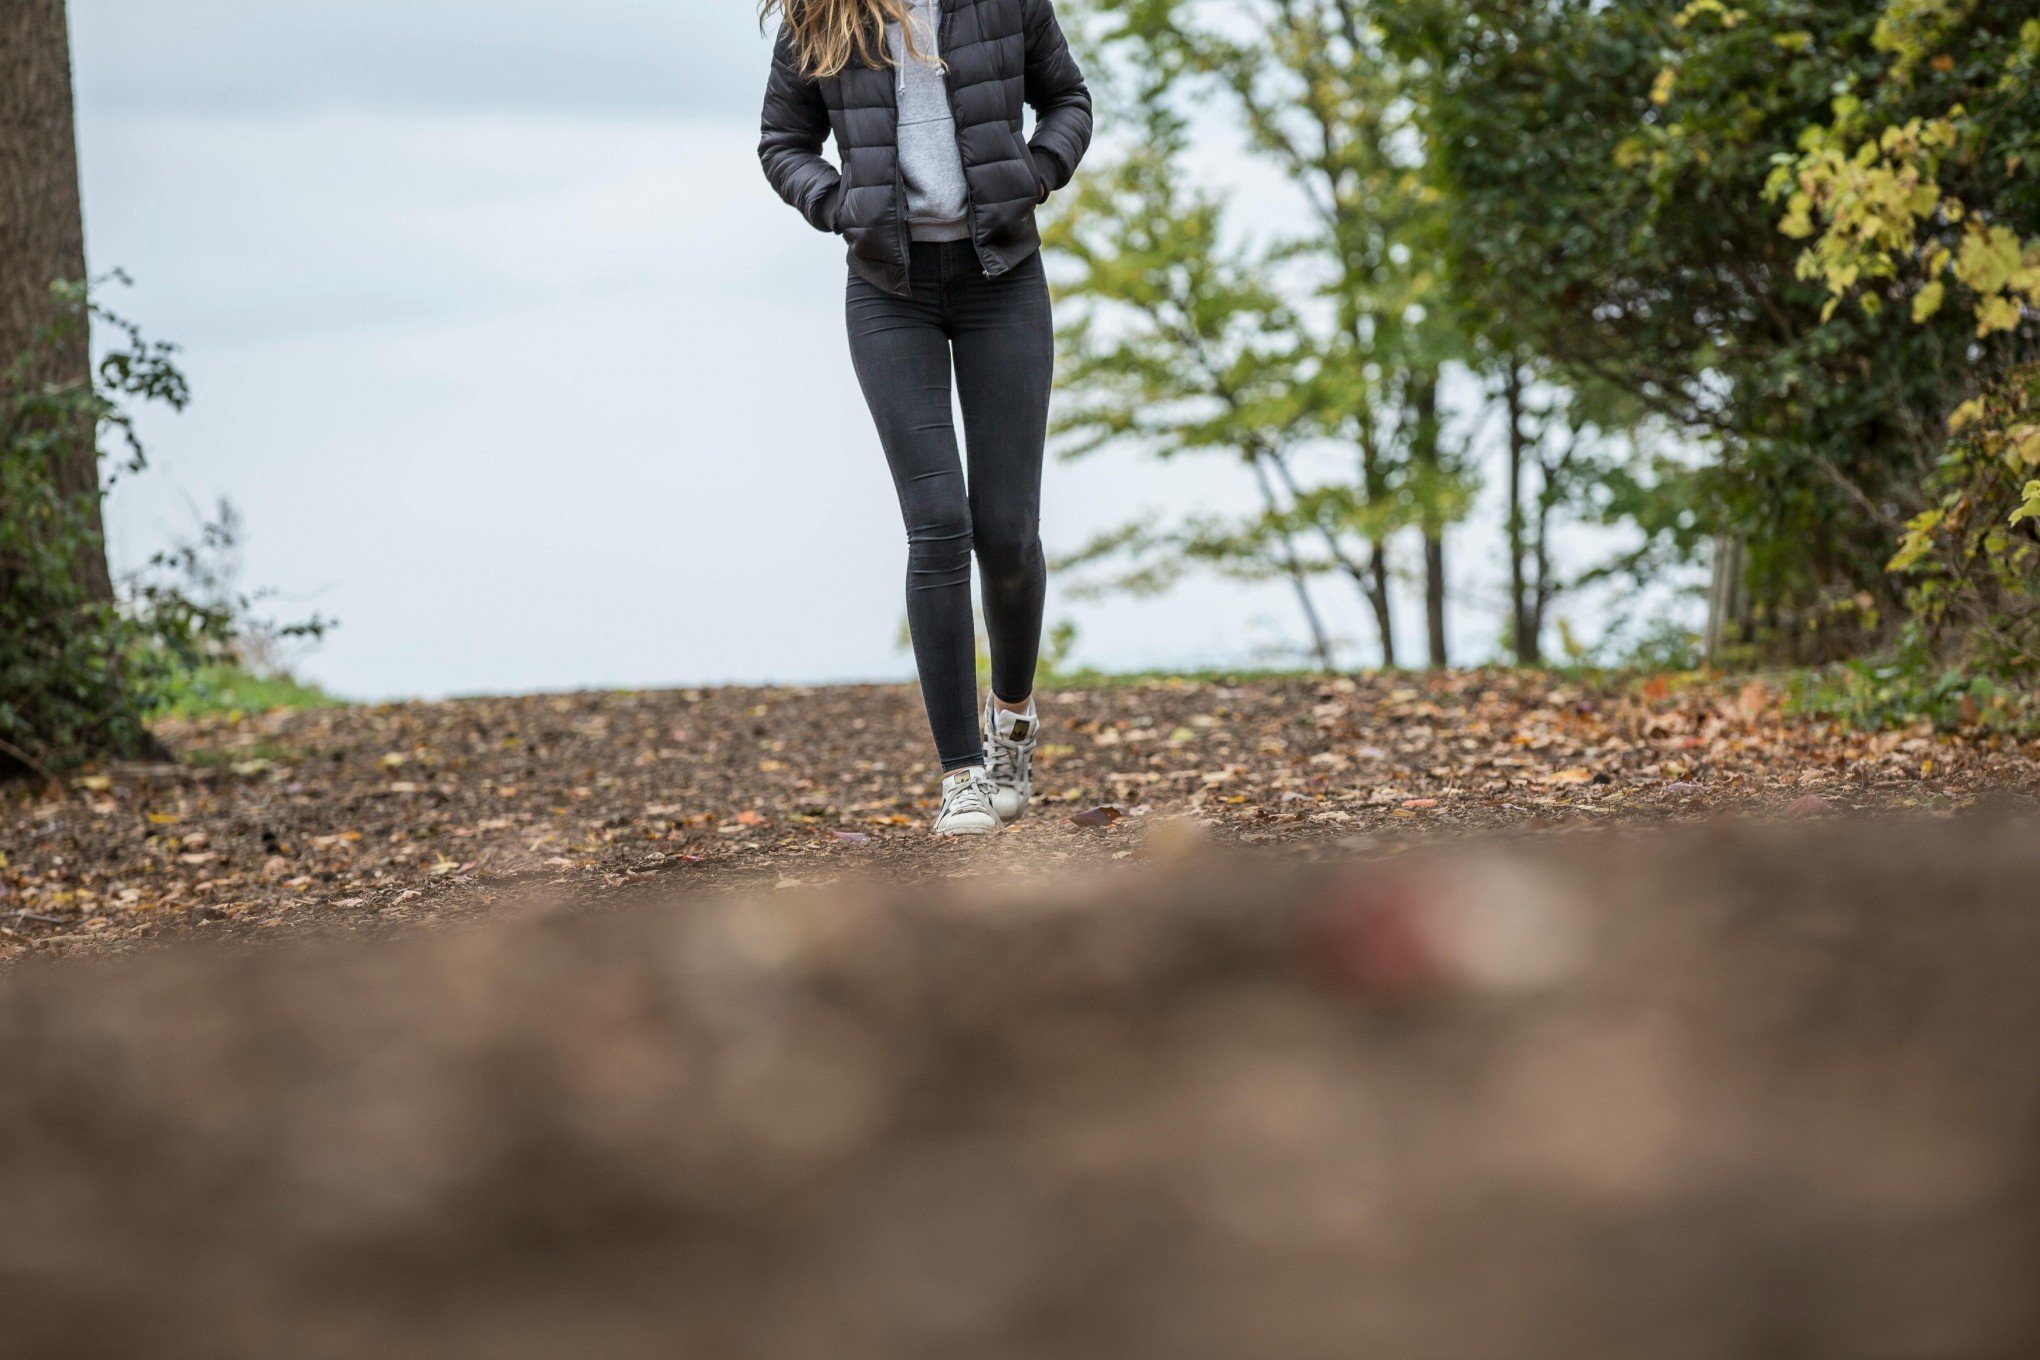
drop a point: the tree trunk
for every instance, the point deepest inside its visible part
(1292, 565)
(1524, 638)
(1726, 600)
(1424, 450)
(1374, 585)
(1551, 475)
(42, 240)
(1362, 575)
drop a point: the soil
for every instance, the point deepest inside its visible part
(376, 816)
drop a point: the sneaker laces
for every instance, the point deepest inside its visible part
(968, 795)
(1006, 760)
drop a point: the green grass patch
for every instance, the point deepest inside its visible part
(243, 758)
(229, 689)
(1878, 697)
(1086, 678)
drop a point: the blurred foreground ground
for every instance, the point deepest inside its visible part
(274, 825)
(1731, 1091)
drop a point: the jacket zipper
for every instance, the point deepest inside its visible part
(943, 30)
(900, 213)
(899, 175)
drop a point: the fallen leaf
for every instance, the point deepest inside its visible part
(1103, 815)
(852, 837)
(1812, 805)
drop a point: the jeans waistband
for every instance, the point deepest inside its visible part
(935, 253)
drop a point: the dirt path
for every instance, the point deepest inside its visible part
(376, 815)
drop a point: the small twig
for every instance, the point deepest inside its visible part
(8, 748)
(31, 916)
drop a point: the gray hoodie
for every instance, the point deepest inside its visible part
(938, 201)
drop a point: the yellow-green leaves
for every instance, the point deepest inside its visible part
(2029, 508)
(1862, 210)
(1917, 541)
(1878, 211)
(2004, 273)
(1989, 258)
(2022, 446)
(1928, 300)
(1913, 30)
(1729, 18)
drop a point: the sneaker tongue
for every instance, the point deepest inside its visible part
(1015, 726)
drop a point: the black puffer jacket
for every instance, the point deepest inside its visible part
(998, 53)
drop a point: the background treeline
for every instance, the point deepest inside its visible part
(1754, 284)
(1748, 289)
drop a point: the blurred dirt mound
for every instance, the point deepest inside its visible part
(1758, 1092)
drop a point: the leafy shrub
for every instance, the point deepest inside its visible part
(79, 674)
(1911, 689)
(1972, 558)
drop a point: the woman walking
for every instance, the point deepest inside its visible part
(936, 196)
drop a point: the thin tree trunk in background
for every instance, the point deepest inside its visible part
(1725, 607)
(1523, 636)
(1424, 450)
(1375, 584)
(42, 238)
(1293, 565)
(1358, 571)
(1551, 474)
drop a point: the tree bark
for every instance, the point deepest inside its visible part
(1375, 583)
(1524, 638)
(42, 242)
(1551, 477)
(1425, 451)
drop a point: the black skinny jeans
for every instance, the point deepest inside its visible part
(998, 335)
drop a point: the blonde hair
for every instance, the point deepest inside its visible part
(829, 34)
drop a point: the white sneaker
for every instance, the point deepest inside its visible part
(1010, 739)
(967, 806)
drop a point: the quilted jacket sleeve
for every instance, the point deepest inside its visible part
(794, 126)
(1056, 90)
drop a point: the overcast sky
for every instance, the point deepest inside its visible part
(514, 363)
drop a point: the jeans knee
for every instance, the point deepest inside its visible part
(1008, 554)
(939, 546)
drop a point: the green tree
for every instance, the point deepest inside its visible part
(1320, 98)
(1605, 169)
(1174, 343)
(1917, 198)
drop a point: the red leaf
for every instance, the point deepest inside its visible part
(1104, 815)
